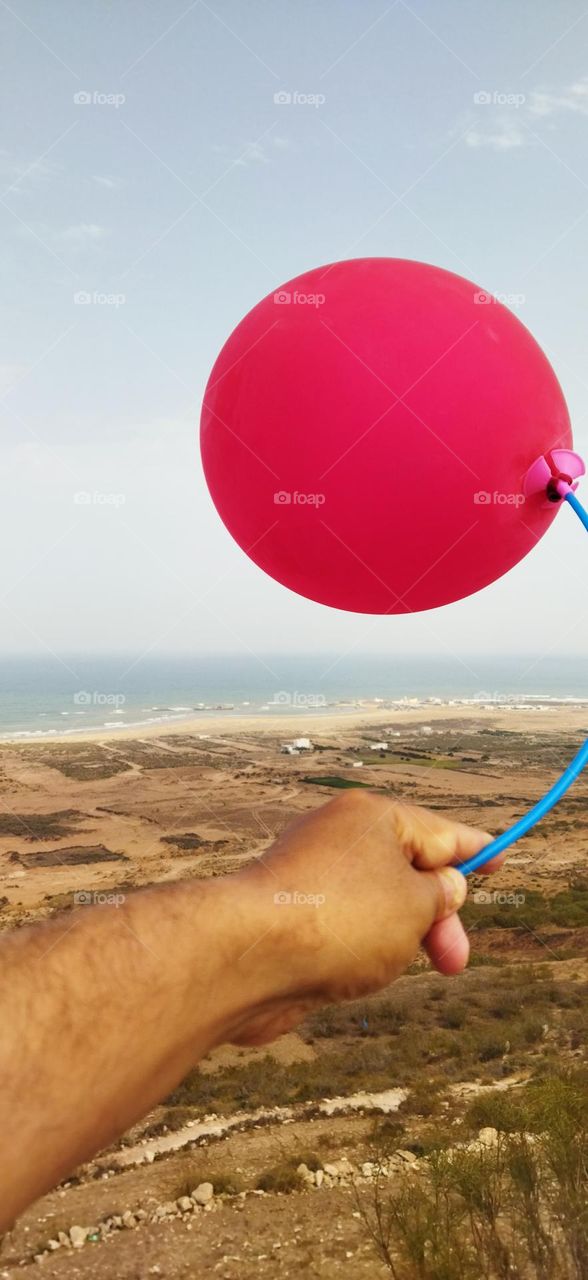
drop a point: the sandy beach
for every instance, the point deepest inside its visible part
(543, 718)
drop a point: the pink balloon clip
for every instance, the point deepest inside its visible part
(553, 474)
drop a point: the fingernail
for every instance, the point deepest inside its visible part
(454, 887)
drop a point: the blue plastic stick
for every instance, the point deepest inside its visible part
(578, 508)
(555, 793)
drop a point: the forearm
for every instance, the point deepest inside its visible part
(103, 1012)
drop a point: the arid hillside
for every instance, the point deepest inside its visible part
(356, 1141)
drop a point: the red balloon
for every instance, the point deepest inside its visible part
(366, 430)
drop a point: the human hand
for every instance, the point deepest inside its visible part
(347, 895)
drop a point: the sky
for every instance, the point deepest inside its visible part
(166, 165)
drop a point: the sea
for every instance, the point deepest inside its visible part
(42, 697)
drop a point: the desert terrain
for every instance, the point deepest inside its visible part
(270, 1162)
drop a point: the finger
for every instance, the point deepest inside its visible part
(435, 895)
(447, 945)
(493, 865)
(431, 840)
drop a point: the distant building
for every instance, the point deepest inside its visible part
(378, 746)
(288, 749)
(302, 744)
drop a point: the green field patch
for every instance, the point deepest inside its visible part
(333, 780)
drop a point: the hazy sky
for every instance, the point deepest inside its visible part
(178, 195)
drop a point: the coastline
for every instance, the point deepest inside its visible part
(541, 718)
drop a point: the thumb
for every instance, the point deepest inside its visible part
(436, 895)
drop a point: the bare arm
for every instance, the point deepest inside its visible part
(102, 1012)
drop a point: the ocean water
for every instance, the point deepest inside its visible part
(49, 696)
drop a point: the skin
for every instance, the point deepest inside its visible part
(104, 1010)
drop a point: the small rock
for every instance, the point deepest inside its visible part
(63, 1239)
(185, 1203)
(203, 1193)
(408, 1156)
(53, 1244)
(331, 1170)
(128, 1219)
(77, 1236)
(488, 1137)
(319, 1177)
(150, 1157)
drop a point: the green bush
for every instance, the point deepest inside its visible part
(516, 1209)
(227, 1184)
(281, 1178)
(454, 1015)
